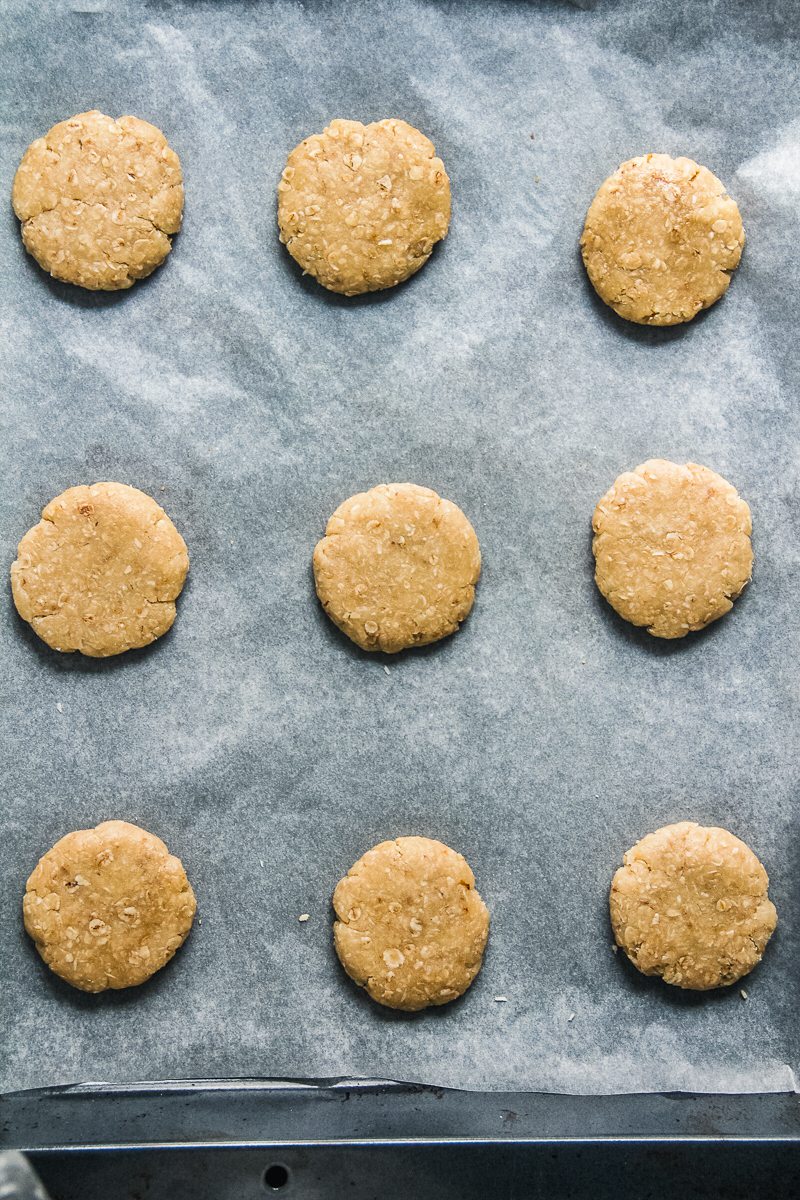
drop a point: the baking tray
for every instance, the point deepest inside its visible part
(242, 1139)
(544, 738)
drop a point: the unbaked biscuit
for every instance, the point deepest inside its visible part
(410, 928)
(108, 907)
(101, 571)
(360, 207)
(661, 239)
(397, 567)
(99, 200)
(690, 904)
(672, 547)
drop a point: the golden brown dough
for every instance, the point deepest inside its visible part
(410, 928)
(690, 904)
(397, 567)
(108, 907)
(672, 546)
(99, 199)
(661, 239)
(101, 571)
(360, 207)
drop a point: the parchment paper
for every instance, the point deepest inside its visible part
(547, 736)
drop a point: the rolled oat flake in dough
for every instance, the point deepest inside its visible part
(99, 200)
(690, 904)
(672, 546)
(411, 928)
(101, 571)
(661, 239)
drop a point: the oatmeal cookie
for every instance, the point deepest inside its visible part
(108, 907)
(101, 571)
(397, 567)
(661, 239)
(99, 200)
(690, 904)
(410, 928)
(360, 207)
(672, 547)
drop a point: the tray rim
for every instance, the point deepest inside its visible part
(240, 1114)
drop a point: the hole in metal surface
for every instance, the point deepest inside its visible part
(275, 1177)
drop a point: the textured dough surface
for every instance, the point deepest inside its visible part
(411, 927)
(690, 904)
(397, 567)
(672, 546)
(360, 207)
(108, 907)
(101, 571)
(660, 240)
(98, 200)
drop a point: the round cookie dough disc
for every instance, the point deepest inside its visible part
(672, 547)
(411, 927)
(101, 571)
(397, 567)
(690, 904)
(99, 199)
(108, 907)
(360, 207)
(660, 240)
